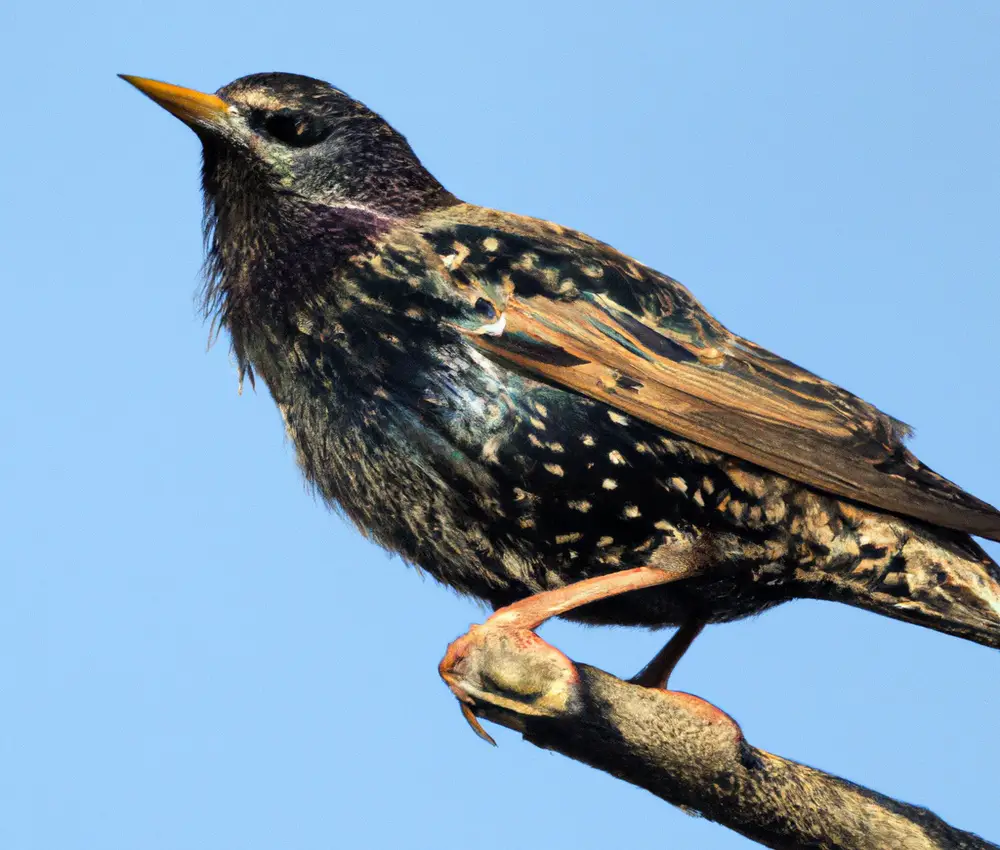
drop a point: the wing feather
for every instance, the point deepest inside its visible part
(584, 317)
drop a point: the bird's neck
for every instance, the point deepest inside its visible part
(268, 251)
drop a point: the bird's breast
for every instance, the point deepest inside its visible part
(496, 484)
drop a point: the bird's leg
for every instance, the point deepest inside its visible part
(531, 612)
(518, 621)
(656, 674)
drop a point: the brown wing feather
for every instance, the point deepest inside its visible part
(665, 360)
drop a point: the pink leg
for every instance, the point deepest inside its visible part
(656, 674)
(521, 618)
(530, 613)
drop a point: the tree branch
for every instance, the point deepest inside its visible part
(681, 748)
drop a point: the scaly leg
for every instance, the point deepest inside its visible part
(522, 617)
(656, 674)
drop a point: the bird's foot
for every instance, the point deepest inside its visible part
(515, 686)
(511, 629)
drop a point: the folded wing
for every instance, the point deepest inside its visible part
(580, 315)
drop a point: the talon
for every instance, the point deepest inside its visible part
(477, 727)
(512, 629)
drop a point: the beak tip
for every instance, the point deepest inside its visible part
(194, 108)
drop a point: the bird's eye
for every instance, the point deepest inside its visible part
(297, 129)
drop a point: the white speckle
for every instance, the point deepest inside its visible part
(698, 499)
(490, 244)
(609, 484)
(617, 418)
(526, 522)
(663, 525)
(568, 538)
(582, 506)
(490, 450)
(542, 409)
(994, 604)
(616, 458)
(453, 261)
(519, 494)
(631, 512)
(517, 566)
(587, 440)
(494, 328)
(537, 423)
(554, 468)
(642, 448)
(774, 510)
(605, 541)
(553, 580)
(535, 441)
(679, 484)
(558, 448)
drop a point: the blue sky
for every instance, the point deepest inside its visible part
(198, 654)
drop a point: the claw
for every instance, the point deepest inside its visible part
(511, 630)
(477, 727)
(456, 651)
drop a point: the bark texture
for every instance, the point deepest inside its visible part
(681, 748)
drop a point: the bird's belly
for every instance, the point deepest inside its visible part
(576, 490)
(555, 489)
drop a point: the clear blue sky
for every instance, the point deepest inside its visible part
(198, 654)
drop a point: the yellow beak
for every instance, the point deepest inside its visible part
(194, 108)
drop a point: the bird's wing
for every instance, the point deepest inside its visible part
(579, 315)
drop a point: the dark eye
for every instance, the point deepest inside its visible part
(298, 129)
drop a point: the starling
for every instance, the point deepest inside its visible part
(538, 420)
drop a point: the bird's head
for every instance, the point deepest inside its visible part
(297, 137)
(298, 177)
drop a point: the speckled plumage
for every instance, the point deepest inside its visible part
(514, 406)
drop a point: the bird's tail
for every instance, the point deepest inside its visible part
(934, 578)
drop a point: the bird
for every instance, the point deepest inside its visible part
(538, 420)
